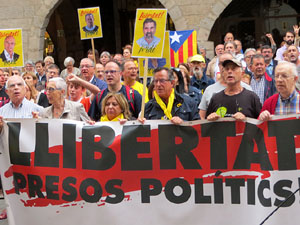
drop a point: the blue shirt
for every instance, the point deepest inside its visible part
(24, 110)
(270, 68)
(99, 83)
(203, 83)
(144, 44)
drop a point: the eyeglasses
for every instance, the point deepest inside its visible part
(282, 76)
(249, 56)
(132, 68)
(85, 66)
(51, 89)
(162, 81)
(111, 71)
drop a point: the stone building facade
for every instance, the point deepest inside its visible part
(33, 17)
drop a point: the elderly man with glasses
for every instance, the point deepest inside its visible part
(287, 100)
(87, 70)
(112, 73)
(167, 104)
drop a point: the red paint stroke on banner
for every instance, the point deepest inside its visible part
(131, 179)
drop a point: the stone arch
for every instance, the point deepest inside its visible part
(33, 17)
(33, 38)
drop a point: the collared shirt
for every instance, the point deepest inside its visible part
(288, 106)
(99, 83)
(7, 56)
(270, 68)
(280, 51)
(203, 83)
(258, 87)
(24, 110)
(144, 44)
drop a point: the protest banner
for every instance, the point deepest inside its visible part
(183, 44)
(89, 23)
(149, 33)
(11, 48)
(154, 62)
(227, 172)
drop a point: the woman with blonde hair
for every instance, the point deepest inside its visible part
(115, 107)
(34, 95)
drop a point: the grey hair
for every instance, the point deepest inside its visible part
(92, 62)
(170, 72)
(250, 49)
(105, 53)
(69, 60)
(257, 56)
(230, 42)
(201, 47)
(289, 65)
(60, 83)
(50, 58)
(30, 62)
(6, 83)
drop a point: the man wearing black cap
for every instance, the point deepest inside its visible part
(235, 101)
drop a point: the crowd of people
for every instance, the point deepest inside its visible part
(235, 83)
(256, 83)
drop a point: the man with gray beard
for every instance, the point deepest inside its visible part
(199, 79)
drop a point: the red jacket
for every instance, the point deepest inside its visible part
(270, 104)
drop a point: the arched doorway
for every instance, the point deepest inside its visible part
(117, 18)
(250, 20)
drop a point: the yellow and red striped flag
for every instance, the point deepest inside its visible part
(183, 44)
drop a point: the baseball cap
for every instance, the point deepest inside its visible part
(197, 58)
(235, 61)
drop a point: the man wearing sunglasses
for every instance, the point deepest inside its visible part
(167, 104)
(112, 74)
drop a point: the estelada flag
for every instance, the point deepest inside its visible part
(183, 44)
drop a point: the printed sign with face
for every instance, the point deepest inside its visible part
(11, 48)
(153, 63)
(149, 34)
(90, 23)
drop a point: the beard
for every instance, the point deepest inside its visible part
(289, 42)
(149, 35)
(198, 72)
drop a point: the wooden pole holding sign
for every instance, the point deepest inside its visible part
(144, 88)
(93, 49)
(10, 71)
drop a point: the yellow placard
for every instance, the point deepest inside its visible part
(90, 23)
(11, 48)
(153, 63)
(149, 33)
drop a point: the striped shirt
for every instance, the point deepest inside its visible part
(23, 111)
(258, 86)
(288, 106)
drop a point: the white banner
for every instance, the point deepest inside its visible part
(64, 172)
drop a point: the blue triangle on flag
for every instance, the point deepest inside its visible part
(178, 35)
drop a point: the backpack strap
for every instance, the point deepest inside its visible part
(98, 97)
(130, 96)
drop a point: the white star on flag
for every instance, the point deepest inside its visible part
(175, 37)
